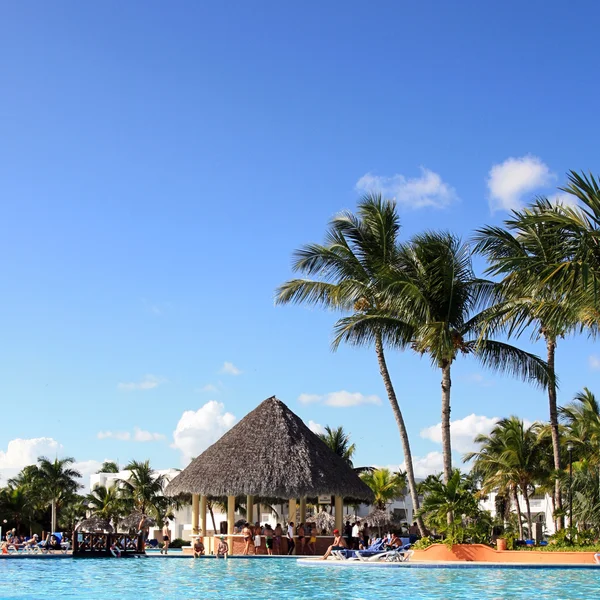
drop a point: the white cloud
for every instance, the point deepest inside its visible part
(229, 368)
(431, 464)
(316, 428)
(594, 362)
(148, 382)
(564, 199)
(477, 379)
(427, 190)
(22, 452)
(139, 435)
(339, 399)
(197, 430)
(87, 468)
(462, 431)
(114, 435)
(309, 398)
(209, 388)
(510, 180)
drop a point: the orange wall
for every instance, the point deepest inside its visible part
(481, 553)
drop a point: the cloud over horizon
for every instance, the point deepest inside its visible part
(462, 431)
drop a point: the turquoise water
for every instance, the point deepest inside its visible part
(180, 579)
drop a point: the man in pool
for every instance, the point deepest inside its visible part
(338, 544)
(198, 548)
(222, 548)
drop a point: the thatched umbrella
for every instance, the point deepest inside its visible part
(94, 525)
(323, 521)
(132, 522)
(270, 452)
(378, 518)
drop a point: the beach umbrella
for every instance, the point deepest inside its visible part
(378, 518)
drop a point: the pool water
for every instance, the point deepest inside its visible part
(177, 579)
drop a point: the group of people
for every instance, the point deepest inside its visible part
(391, 541)
(14, 542)
(306, 535)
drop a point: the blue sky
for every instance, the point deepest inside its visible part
(159, 164)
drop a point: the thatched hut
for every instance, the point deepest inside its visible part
(94, 525)
(270, 452)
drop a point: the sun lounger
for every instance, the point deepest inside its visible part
(402, 554)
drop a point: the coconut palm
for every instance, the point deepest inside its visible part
(581, 419)
(386, 485)
(106, 503)
(348, 273)
(15, 505)
(143, 487)
(522, 253)
(455, 498)
(338, 441)
(109, 466)
(57, 483)
(433, 289)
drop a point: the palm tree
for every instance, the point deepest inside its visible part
(509, 460)
(452, 498)
(349, 274)
(522, 254)
(338, 441)
(386, 485)
(109, 466)
(106, 503)
(16, 505)
(143, 487)
(434, 289)
(57, 483)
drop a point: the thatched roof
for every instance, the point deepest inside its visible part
(133, 521)
(323, 521)
(378, 518)
(270, 452)
(95, 525)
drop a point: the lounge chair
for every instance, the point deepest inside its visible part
(402, 554)
(377, 547)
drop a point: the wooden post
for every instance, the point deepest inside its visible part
(230, 521)
(202, 531)
(250, 509)
(302, 510)
(292, 511)
(339, 513)
(195, 514)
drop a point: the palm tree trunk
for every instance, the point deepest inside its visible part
(446, 447)
(551, 347)
(53, 516)
(528, 507)
(212, 518)
(518, 507)
(410, 473)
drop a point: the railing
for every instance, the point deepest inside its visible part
(99, 544)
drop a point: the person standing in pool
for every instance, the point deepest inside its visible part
(269, 539)
(277, 538)
(247, 533)
(301, 537)
(290, 537)
(165, 532)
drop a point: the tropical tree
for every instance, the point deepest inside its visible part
(348, 273)
(338, 441)
(57, 483)
(433, 289)
(15, 505)
(109, 466)
(107, 503)
(509, 460)
(454, 498)
(143, 487)
(522, 253)
(386, 485)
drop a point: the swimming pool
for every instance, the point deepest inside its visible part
(259, 579)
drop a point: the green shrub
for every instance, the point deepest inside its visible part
(178, 543)
(423, 543)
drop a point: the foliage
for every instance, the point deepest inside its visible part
(179, 543)
(338, 441)
(386, 485)
(423, 543)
